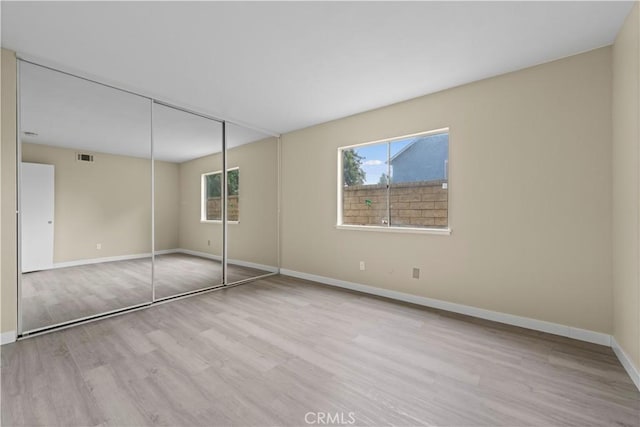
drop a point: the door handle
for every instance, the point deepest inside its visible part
(49, 222)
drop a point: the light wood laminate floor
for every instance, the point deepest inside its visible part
(59, 295)
(269, 352)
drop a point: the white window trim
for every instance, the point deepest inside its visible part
(203, 196)
(217, 221)
(391, 229)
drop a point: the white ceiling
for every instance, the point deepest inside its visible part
(287, 65)
(70, 112)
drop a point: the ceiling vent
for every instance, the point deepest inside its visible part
(82, 157)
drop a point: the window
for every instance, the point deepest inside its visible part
(211, 206)
(396, 183)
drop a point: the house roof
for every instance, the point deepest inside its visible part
(411, 144)
(404, 149)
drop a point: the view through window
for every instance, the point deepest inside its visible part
(400, 182)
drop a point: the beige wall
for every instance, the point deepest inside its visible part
(626, 187)
(8, 262)
(167, 201)
(254, 238)
(107, 202)
(536, 143)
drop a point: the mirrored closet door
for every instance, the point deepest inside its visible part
(125, 200)
(188, 204)
(85, 198)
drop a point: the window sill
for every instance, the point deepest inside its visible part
(216, 221)
(412, 230)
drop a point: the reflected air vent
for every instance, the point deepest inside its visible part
(81, 157)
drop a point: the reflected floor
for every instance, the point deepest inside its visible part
(178, 273)
(59, 295)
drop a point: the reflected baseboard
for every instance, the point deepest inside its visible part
(79, 262)
(194, 253)
(240, 263)
(167, 251)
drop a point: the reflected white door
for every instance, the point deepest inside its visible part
(37, 199)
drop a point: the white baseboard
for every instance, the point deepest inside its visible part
(627, 363)
(7, 337)
(99, 260)
(509, 319)
(238, 262)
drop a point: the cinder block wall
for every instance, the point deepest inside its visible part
(412, 203)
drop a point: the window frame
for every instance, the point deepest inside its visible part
(203, 197)
(390, 228)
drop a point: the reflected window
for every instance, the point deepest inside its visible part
(211, 204)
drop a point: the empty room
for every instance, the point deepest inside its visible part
(320, 213)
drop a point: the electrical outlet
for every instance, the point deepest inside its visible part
(362, 266)
(416, 273)
(98, 246)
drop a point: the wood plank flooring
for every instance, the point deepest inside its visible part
(270, 352)
(63, 294)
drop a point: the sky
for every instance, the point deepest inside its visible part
(375, 158)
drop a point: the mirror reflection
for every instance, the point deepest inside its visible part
(252, 159)
(188, 234)
(85, 198)
(94, 240)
